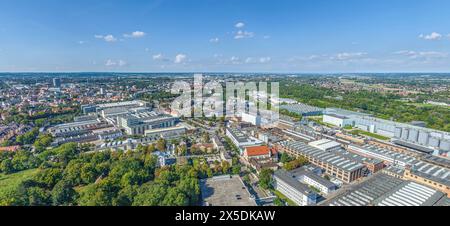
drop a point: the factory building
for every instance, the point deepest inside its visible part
(303, 109)
(343, 168)
(407, 133)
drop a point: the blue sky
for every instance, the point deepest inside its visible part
(225, 35)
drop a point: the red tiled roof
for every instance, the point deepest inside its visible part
(257, 150)
(10, 148)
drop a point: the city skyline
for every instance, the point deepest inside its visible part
(225, 36)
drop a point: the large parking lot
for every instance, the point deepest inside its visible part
(225, 191)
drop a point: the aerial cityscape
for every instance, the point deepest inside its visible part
(253, 115)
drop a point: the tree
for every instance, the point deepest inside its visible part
(38, 196)
(285, 158)
(236, 170)
(265, 178)
(6, 166)
(161, 144)
(225, 167)
(278, 202)
(299, 162)
(42, 142)
(63, 194)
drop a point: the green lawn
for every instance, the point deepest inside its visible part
(9, 183)
(374, 135)
(284, 198)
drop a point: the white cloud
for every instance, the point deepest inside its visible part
(135, 34)
(214, 40)
(249, 60)
(240, 25)
(422, 55)
(81, 42)
(122, 63)
(110, 38)
(432, 36)
(110, 63)
(113, 63)
(265, 60)
(180, 58)
(243, 34)
(107, 38)
(235, 60)
(158, 56)
(348, 56)
(266, 37)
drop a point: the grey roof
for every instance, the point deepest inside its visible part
(437, 160)
(289, 179)
(337, 116)
(367, 192)
(303, 172)
(407, 159)
(432, 172)
(409, 194)
(395, 170)
(444, 201)
(238, 135)
(341, 162)
(301, 108)
(413, 146)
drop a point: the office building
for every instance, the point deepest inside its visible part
(57, 82)
(312, 179)
(289, 186)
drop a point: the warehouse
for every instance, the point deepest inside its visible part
(303, 109)
(341, 167)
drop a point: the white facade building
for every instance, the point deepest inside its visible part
(301, 194)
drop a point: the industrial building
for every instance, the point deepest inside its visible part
(312, 179)
(166, 133)
(251, 118)
(388, 156)
(326, 145)
(289, 186)
(386, 190)
(240, 139)
(303, 109)
(138, 123)
(429, 138)
(341, 167)
(410, 194)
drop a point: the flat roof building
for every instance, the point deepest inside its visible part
(341, 167)
(303, 109)
(240, 139)
(325, 145)
(312, 179)
(288, 185)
